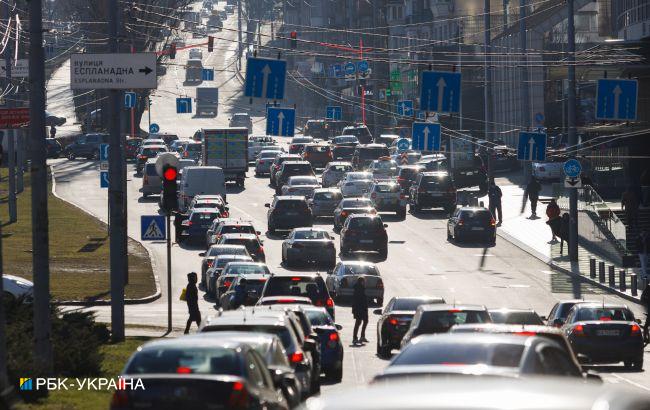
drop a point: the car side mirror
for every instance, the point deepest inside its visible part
(202, 254)
(267, 205)
(558, 322)
(338, 327)
(378, 312)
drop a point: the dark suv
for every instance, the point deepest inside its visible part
(310, 285)
(365, 154)
(472, 173)
(364, 232)
(317, 155)
(360, 131)
(291, 169)
(406, 175)
(288, 212)
(276, 165)
(316, 129)
(86, 146)
(433, 190)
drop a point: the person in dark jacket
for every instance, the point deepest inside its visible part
(532, 191)
(360, 310)
(494, 201)
(192, 299)
(553, 214)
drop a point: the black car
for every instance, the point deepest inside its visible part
(86, 146)
(315, 129)
(343, 153)
(432, 190)
(395, 321)
(473, 174)
(276, 165)
(291, 169)
(303, 284)
(197, 223)
(288, 212)
(53, 147)
(364, 232)
(365, 154)
(472, 223)
(406, 175)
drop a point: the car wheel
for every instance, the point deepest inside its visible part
(271, 229)
(383, 351)
(335, 375)
(145, 195)
(71, 156)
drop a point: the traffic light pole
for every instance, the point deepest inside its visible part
(573, 139)
(169, 273)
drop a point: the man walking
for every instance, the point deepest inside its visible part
(643, 246)
(494, 201)
(192, 299)
(360, 310)
(532, 191)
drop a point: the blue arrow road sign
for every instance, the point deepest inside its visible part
(532, 146)
(103, 179)
(337, 70)
(103, 152)
(183, 105)
(265, 78)
(152, 228)
(154, 128)
(440, 92)
(426, 136)
(334, 112)
(362, 66)
(616, 99)
(350, 68)
(405, 108)
(572, 168)
(280, 122)
(207, 74)
(403, 145)
(130, 99)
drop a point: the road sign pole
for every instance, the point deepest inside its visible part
(573, 139)
(525, 97)
(488, 86)
(169, 274)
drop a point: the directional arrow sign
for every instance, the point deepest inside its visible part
(103, 152)
(616, 99)
(130, 99)
(113, 71)
(207, 74)
(334, 112)
(280, 121)
(405, 108)
(183, 105)
(532, 146)
(426, 136)
(572, 182)
(440, 91)
(265, 78)
(103, 179)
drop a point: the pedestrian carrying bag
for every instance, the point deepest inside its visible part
(183, 292)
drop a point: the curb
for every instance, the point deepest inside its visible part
(127, 301)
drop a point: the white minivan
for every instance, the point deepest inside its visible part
(200, 180)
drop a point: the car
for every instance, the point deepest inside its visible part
(199, 370)
(395, 320)
(250, 287)
(86, 146)
(191, 150)
(383, 168)
(331, 346)
(200, 180)
(316, 129)
(560, 311)
(151, 181)
(433, 190)
(343, 153)
(300, 284)
(151, 141)
(258, 143)
(276, 165)
(345, 140)
(146, 153)
(246, 268)
(214, 272)
(467, 173)
(364, 232)
(229, 226)
(251, 241)
(284, 300)
(193, 228)
(472, 222)
(263, 162)
(355, 188)
(308, 245)
(324, 201)
(288, 212)
(214, 202)
(334, 172)
(387, 196)
(605, 333)
(386, 139)
(131, 148)
(318, 155)
(360, 131)
(167, 138)
(291, 169)
(216, 250)
(270, 148)
(350, 206)
(298, 143)
(340, 281)
(241, 119)
(366, 153)
(300, 186)
(230, 9)
(481, 354)
(406, 174)
(515, 316)
(548, 171)
(53, 148)
(354, 176)
(17, 288)
(200, 32)
(439, 318)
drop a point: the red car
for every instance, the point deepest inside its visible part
(131, 148)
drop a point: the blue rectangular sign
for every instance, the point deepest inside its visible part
(405, 108)
(265, 78)
(103, 179)
(532, 146)
(280, 122)
(426, 136)
(440, 91)
(334, 112)
(103, 152)
(152, 228)
(130, 99)
(207, 74)
(337, 70)
(184, 105)
(617, 99)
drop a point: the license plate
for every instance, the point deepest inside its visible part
(607, 332)
(435, 194)
(477, 228)
(292, 213)
(366, 241)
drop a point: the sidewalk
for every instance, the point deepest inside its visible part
(60, 100)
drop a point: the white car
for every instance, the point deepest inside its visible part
(355, 188)
(301, 185)
(17, 287)
(334, 172)
(547, 171)
(196, 53)
(151, 142)
(263, 162)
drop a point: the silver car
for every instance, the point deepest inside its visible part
(324, 201)
(334, 172)
(151, 181)
(387, 196)
(341, 280)
(300, 185)
(264, 161)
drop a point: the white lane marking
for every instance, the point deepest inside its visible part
(354, 368)
(452, 290)
(444, 277)
(548, 272)
(635, 384)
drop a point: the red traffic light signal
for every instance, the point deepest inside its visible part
(294, 39)
(170, 174)
(169, 202)
(210, 43)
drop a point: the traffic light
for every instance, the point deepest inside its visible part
(172, 51)
(170, 188)
(294, 40)
(210, 43)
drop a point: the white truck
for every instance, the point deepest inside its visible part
(227, 148)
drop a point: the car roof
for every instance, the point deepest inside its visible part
(511, 310)
(334, 190)
(296, 274)
(369, 216)
(227, 246)
(233, 257)
(357, 263)
(297, 299)
(592, 305)
(447, 307)
(373, 145)
(348, 163)
(254, 276)
(191, 342)
(296, 162)
(239, 236)
(249, 338)
(235, 222)
(310, 229)
(290, 197)
(245, 316)
(249, 263)
(504, 328)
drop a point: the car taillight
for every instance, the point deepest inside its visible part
(344, 214)
(142, 157)
(635, 330)
(493, 222)
(225, 214)
(210, 263)
(392, 321)
(183, 370)
(460, 222)
(261, 251)
(306, 155)
(296, 357)
(334, 336)
(238, 397)
(329, 302)
(578, 330)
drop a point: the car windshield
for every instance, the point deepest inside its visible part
(285, 335)
(152, 152)
(373, 224)
(356, 203)
(479, 216)
(317, 148)
(327, 196)
(516, 318)
(223, 261)
(342, 151)
(203, 218)
(305, 286)
(410, 304)
(186, 359)
(291, 205)
(340, 168)
(408, 172)
(442, 320)
(492, 354)
(387, 188)
(361, 270)
(268, 154)
(435, 182)
(311, 235)
(384, 165)
(227, 250)
(297, 168)
(252, 245)
(245, 269)
(346, 139)
(373, 153)
(303, 181)
(604, 314)
(237, 229)
(319, 318)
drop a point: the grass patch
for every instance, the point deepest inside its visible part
(114, 358)
(79, 250)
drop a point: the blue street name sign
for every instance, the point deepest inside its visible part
(154, 128)
(129, 99)
(265, 78)
(334, 112)
(405, 108)
(207, 74)
(532, 146)
(183, 105)
(616, 99)
(280, 122)
(152, 228)
(403, 145)
(103, 179)
(103, 152)
(440, 91)
(572, 168)
(426, 136)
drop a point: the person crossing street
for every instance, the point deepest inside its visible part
(360, 310)
(192, 299)
(532, 192)
(494, 201)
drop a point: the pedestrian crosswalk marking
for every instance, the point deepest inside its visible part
(153, 231)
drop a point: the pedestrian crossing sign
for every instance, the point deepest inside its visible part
(152, 228)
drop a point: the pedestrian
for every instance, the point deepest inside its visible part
(192, 299)
(494, 200)
(630, 204)
(532, 191)
(360, 310)
(645, 301)
(239, 297)
(553, 215)
(645, 187)
(643, 247)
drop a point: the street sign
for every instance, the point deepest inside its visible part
(362, 66)
(426, 136)
(616, 99)
(350, 68)
(13, 117)
(337, 70)
(403, 145)
(152, 228)
(103, 166)
(207, 74)
(265, 78)
(572, 168)
(154, 128)
(539, 119)
(184, 105)
(18, 70)
(103, 152)
(103, 179)
(405, 108)
(113, 71)
(440, 91)
(382, 94)
(280, 122)
(334, 112)
(572, 182)
(422, 115)
(532, 146)
(129, 99)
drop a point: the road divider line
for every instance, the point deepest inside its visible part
(635, 384)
